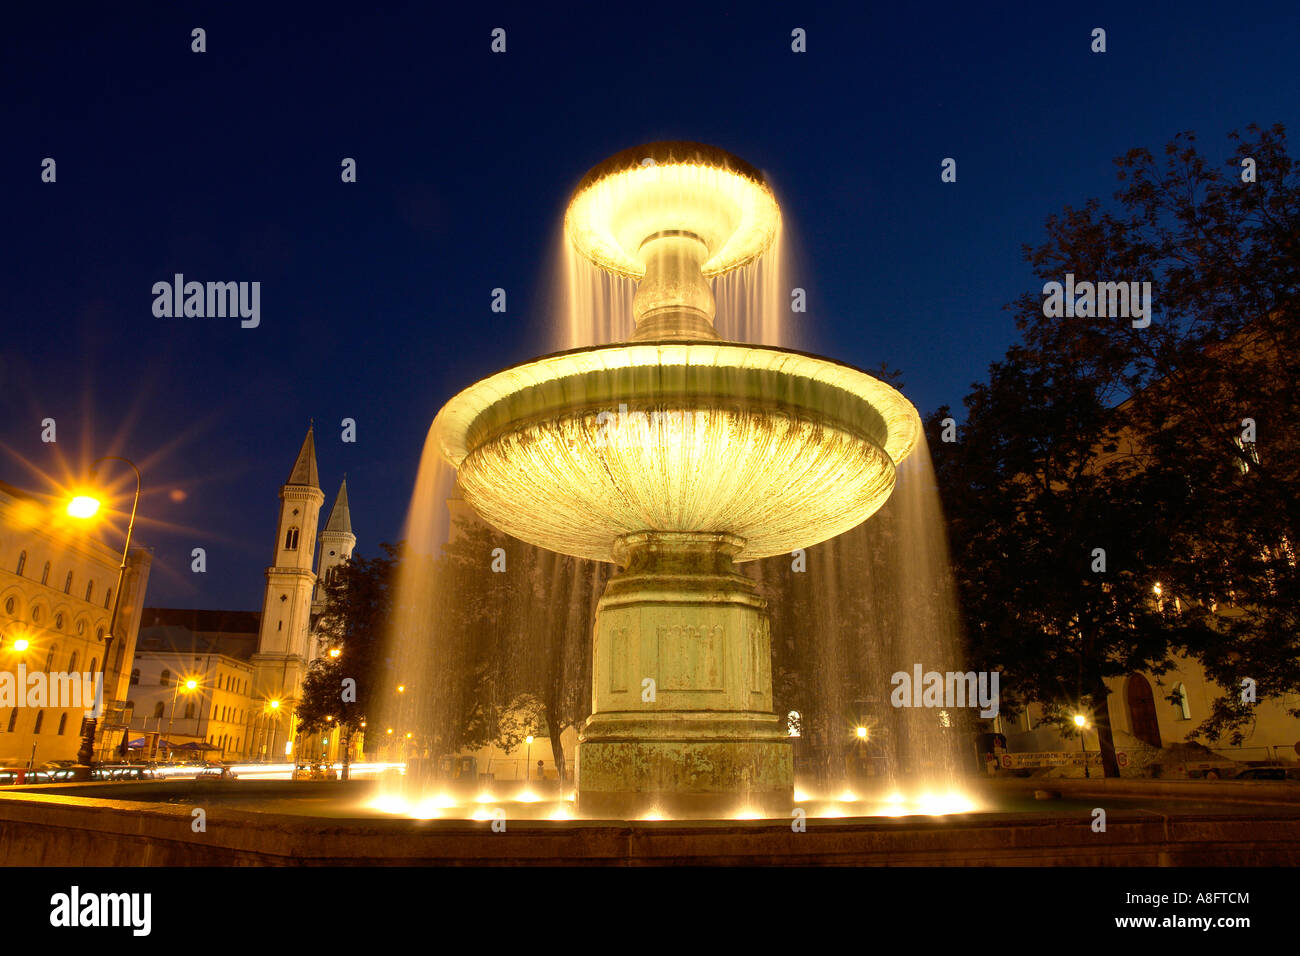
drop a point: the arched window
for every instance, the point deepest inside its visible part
(189, 710)
(40, 719)
(67, 584)
(135, 677)
(291, 539)
(72, 663)
(63, 723)
(94, 664)
(158, 709)
(22, 562)
(166, 676)
(49, 659)
(90, 590)
(108, 596)
(1181, 702)
(793, 724)
(9, 606)
(45, 573)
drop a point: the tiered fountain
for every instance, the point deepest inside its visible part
(677, 455)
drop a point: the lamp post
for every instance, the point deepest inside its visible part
(84, 506)
(1081, 722)
(272, 731)
(528, 760)
(190, 684)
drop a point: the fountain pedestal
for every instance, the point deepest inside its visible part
(682, 718)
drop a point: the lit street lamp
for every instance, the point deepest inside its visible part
(190, 684)
(85, 507)
(1081, 722)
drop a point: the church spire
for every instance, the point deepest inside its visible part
(304, 469)
(340, 518)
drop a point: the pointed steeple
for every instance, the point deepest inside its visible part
(340, 518)
(304, 469)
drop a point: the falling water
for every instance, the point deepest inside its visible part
(873, 602)
(595, 307)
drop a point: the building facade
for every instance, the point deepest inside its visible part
(56, 599)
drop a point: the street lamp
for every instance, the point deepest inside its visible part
(85, 507)
(190, 684)
(1081, 722)
(528, 760)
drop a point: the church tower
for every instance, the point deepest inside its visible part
(336, 544)
(283, 650)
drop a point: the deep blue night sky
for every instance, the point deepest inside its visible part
(376, 295)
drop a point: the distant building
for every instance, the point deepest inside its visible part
(248, 667)
(56, 597)
(212, 649)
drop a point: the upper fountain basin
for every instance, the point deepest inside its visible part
(572, 451)
(672, 188)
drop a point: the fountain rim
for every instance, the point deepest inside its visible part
(454, 421)
(661, 151)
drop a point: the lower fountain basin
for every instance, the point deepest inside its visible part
(574, 451)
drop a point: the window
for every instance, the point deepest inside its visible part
(158, 709)
(90, 590)
(45, 574)
(67, 584)
(72, 663)
(108, 596)
(94, 664)
(1181, 702)
(135, 677)
(22, 562)
(9, 606)
(166, 676)
(40, 719)
(63, 723)
(189, 710)
(49, 659)
(291, 540)
(58, 621)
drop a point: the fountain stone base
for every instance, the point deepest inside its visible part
(682, 720)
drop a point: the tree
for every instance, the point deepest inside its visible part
(342, 691)
(1115, 433)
